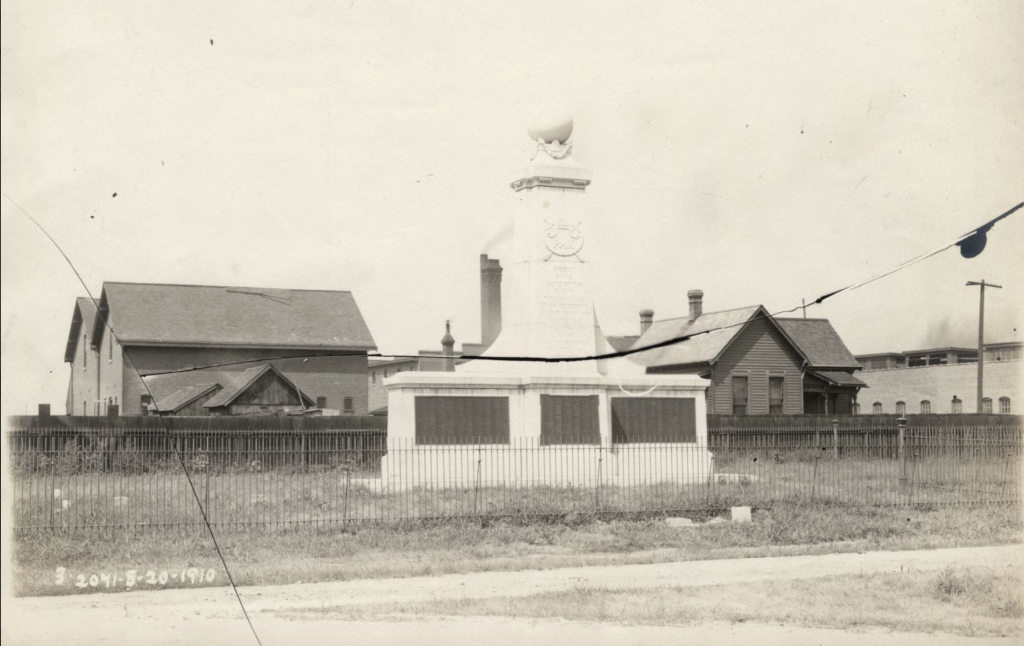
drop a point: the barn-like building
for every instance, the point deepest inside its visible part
(190, 342)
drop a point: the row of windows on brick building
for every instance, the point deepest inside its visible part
(956, 407)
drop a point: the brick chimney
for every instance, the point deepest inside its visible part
(646, 318)
(448, 347)
(490, 299)
(696, 303)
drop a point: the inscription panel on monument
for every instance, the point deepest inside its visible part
(461, 420)
(653, 419)
(569, 419)
(564, 321)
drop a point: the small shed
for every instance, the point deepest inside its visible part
(261, 390)
(187, 401)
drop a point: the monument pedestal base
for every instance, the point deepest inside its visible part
(462, 430)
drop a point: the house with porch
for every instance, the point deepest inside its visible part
(757, 364)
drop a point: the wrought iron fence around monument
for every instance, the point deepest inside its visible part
(105, 479)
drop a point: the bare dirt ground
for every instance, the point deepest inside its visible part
(212, 615)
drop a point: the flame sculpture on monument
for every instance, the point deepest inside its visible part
(567, 397)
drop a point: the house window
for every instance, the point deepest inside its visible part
(958, 406)
(1004, 405)
(901, 409)
(937, 359)
(321, 402)
(739, 395)
(986, 405)
(856, 408)
(349, 406)
(85, 353)
(144, 402)
(926, 407)
(876, 408)
(776, 395)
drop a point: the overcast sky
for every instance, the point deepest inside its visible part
(762, 153)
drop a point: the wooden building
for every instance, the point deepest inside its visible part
(169, 338)
(186, 402)
(262, 390)
(757, 364)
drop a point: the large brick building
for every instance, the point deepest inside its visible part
(185, 336)
(942, 380)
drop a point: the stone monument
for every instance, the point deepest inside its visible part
(449, 428)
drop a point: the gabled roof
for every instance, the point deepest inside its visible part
(234, 316)
(83, 317)
(704, 348)
(181, 398)
(247, 378)
(820, 342)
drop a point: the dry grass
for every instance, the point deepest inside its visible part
(410, 549)
(977, 602)
(66, 498)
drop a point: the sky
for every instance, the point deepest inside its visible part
(762, 152)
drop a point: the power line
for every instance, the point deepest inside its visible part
(174, 443)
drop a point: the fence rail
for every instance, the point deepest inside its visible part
(100, 478)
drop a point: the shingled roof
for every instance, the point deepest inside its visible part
(83, 317)
(183, 397)
(820, 342)
(702, 348)
(243, 380)
(838, 377)
(153, 314)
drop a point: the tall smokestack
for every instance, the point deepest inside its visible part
(646, 318)
(490, 299)
(696, 303)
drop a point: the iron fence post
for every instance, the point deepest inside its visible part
(901, 428)
(835, 439)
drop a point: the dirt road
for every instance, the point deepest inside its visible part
(212, 615)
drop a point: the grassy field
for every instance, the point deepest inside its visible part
(420, 548)
(975, 602)
(266, 498)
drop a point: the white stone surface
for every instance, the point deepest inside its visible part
(741, 514)
(548, 312)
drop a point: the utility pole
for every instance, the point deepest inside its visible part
(981, 340)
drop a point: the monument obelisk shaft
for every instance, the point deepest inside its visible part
(548, 311)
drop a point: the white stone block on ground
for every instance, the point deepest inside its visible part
(741, 514)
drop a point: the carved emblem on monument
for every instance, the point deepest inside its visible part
(554, 150)
(563, 238)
